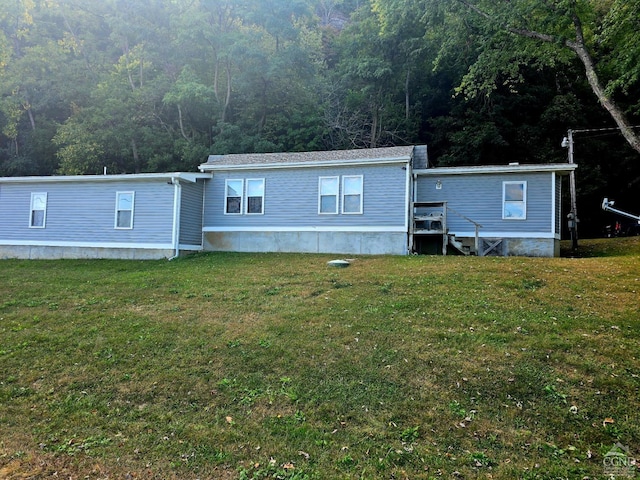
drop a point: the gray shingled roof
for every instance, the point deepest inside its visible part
(309, 157)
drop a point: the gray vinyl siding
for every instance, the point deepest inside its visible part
(191, 213)
(291, 198)
(479, 197)
(85, 212)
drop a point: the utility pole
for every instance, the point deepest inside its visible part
(573, 214)
(567, 142)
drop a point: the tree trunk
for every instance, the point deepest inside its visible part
(264, 106)
(136, 157)
(216, 70)
(32, 119)
(181, 123)
(592, 77)
(374, 126)
(27, 106)
(578, 47)
(227, 99)
(406, 95)
(141, 71)
(125, 52)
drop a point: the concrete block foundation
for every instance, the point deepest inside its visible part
(55, 253)
(361, 243)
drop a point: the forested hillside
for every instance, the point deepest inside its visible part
(157, 85)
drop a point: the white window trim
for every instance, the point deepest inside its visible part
(246, 187)
(31, 210)
(226, 196)
(337, 195)
(361, 193)
(524, 199)
(133, 202)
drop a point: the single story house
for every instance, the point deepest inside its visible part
(367, 201)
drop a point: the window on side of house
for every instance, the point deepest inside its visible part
(38, 214)
(124, 210)
(233, 197)
(255, 196)
(514, 200)
(352, 194)
(328, 195)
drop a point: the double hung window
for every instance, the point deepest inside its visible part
(514, 200)
(352, 194)
(328, 188)
(255, 196)
(124, 210)
(233, 197)
(38, 213)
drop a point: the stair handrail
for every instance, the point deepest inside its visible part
(477, 226)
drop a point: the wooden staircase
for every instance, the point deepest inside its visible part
(428, 227)
(459, 246)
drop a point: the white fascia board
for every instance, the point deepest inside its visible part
(358, 229)
(186, 176)
(47, 243)
(340, 163)
(529, 168)
(190, 176)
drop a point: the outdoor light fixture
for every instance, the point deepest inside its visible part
(438, 185)
(565, 142)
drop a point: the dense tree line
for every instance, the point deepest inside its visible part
(157, 85)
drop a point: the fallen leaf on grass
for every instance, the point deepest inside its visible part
(608, 421)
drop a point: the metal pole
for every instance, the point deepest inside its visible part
(573, 215)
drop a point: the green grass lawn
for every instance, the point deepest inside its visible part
(278, 366)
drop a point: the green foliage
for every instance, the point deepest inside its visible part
(158, 85)
(553, 393)
(80, 152)
(618, 37)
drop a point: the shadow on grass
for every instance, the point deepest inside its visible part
(602, 247)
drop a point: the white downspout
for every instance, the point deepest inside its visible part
(177, 198)
(409, 199)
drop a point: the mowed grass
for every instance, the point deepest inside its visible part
(279, 366)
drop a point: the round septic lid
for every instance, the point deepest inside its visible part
(338, 263)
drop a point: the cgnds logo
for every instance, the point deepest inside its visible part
(618, 462)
